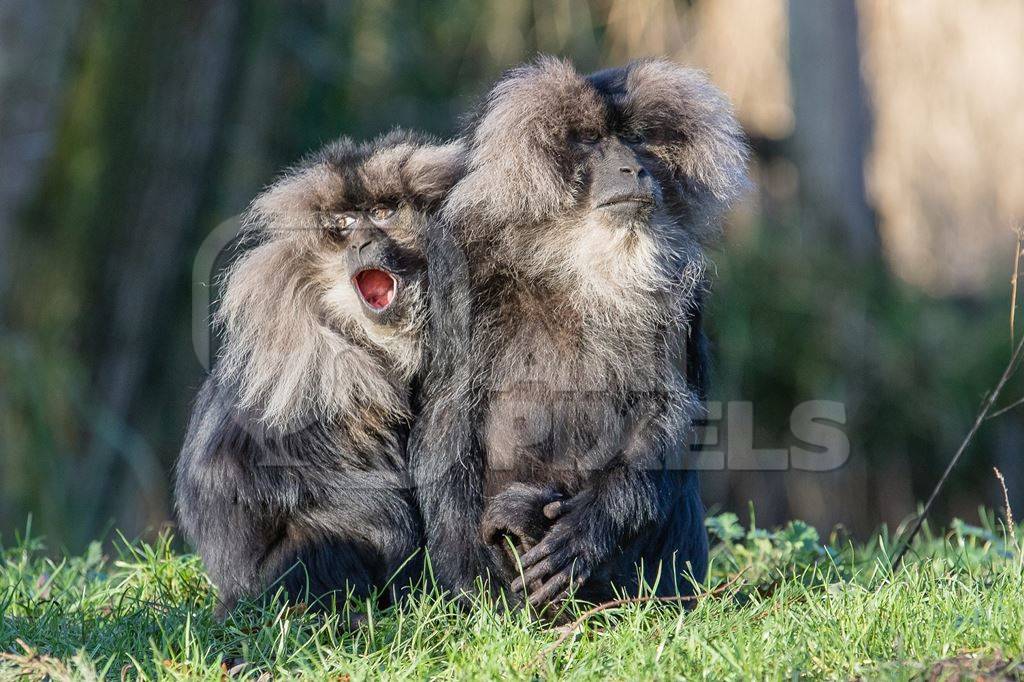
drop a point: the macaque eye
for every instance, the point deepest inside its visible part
(380, 213)
(587, 137)
(340, 224)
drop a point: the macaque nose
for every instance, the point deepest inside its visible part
(361, 239)
(367, 248)
(636, 170)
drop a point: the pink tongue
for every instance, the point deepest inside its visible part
(376, 287)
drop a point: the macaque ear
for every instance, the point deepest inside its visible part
(292, 202)
(431, 170)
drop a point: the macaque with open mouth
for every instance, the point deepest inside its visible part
(293, 473)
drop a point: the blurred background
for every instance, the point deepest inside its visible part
(870, 266)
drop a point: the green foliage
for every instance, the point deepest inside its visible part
(762, 555)
(791, 605)
(793, 321)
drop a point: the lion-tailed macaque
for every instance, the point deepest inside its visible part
(567, 269)
(294, 473)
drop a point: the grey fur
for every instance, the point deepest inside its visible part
(564, 334)
(294, 472)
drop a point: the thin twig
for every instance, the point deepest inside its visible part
(1004, 410)
(1013, 290)
(982, 415)
(571, 629)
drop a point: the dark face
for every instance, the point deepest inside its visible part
(379, 267)
(621, 186)
(617, 234)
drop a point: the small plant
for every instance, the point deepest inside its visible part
(762, 555)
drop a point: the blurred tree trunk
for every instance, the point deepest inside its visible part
(160, 168)
(34, 39)
(830, 142)
(832, 122)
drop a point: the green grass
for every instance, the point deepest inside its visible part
(793, 605)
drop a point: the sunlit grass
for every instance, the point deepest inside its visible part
(798, 605)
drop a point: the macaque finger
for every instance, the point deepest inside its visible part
(557, 509)
(534, 574)
(543, 549)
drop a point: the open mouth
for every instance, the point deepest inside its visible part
(376, 287)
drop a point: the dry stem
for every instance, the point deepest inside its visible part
(1007, 510)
